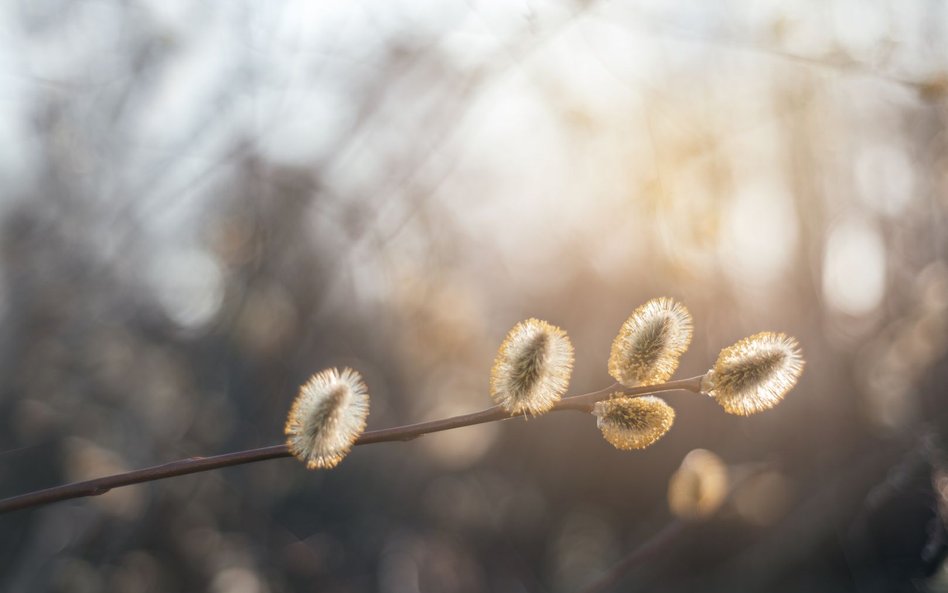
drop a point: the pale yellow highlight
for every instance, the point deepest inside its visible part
(698, 488)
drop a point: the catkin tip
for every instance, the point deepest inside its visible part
(532, 369)
(650, 343)
(755, 373)
(327, 417)
(633, 422)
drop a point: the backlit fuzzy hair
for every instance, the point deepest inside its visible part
(650, 342)
(755, 373)
(633, 422)
(532, 369)
(327, 417)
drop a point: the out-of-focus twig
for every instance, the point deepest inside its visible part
(648, 549)
(670, 534)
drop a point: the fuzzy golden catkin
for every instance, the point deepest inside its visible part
(633, 422)
(327, 417)
(650, 343)
(755, 373)
(699, 486)
(532, 369)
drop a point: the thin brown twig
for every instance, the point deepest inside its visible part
(665, 538)
(408, 432)
(655, 544)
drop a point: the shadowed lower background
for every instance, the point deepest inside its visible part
(204, 204)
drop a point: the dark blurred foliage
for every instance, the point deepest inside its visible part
(203, 204)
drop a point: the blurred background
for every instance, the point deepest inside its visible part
(204, 203)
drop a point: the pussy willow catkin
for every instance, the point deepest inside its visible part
(633, 422)
(755, 373)
(532, 369)
(327, 417)
(650, 343)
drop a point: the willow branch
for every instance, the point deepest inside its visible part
(191, 465)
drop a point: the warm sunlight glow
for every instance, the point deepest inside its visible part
(854, 268)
